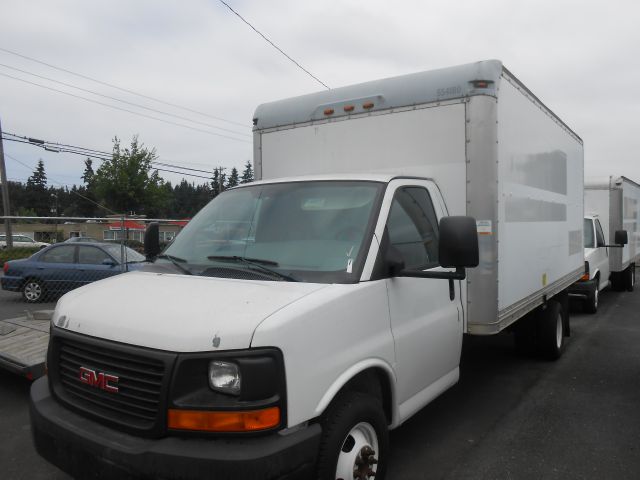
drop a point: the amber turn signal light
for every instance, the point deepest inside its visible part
(584, 277)
(207, 421)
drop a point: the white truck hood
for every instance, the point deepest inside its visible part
(176, 312)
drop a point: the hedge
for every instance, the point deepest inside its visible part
(7, 254)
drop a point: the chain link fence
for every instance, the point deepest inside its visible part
(50, 256)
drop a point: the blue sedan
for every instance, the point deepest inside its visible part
(60, 268)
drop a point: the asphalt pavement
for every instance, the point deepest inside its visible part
(12, 305)
(509, 417)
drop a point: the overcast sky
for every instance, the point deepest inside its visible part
(580, 58)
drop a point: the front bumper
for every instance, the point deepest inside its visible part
(582, 289)
(86, 449)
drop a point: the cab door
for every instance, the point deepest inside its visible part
(601, 256)
(427, 325)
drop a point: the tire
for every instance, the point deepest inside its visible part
(591, 303)
(355, 439)
(630, 278)
(32, 290)
(550, 330)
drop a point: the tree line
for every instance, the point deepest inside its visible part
(125, 183)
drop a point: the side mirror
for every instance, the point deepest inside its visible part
(109, 262)
(458, 242)
(152, 240)
(621, 237)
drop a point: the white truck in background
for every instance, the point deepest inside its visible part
(297, 319)
(612, 238)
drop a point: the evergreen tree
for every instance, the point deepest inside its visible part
(37, 196)
(233, 179)
(247, 174)
(218, 181)
(87, 176)
(38, 179)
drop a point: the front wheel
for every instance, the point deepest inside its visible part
(32, 290)
(591, 305)
(551, 330)
(355, 439)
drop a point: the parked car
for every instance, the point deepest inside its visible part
(63, 267)
(22, 241)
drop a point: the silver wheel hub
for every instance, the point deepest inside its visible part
(358, 459)
(32, 291)
(559, 331)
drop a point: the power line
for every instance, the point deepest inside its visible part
(124, 109)
(180, 117)
(106, 156)
(121, 88)
(97, 154)
(274, 46)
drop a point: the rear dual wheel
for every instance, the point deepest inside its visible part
(542, 332)
(630, 278)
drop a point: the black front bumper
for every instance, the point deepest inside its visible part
(88, 450)
(582, 289)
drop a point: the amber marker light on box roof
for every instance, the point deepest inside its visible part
(236, 421)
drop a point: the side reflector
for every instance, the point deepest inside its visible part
(584, 277)
(328, 111)
(367, 106)
(349, 108)
(205, 421)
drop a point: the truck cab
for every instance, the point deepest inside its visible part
(596, 256)
(350, 274)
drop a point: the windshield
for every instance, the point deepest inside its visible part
(313, 231)
(588, 233)
(131, 255)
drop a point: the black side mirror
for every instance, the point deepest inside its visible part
(108, 262)
(621, 237)
(458, 242)
(152, 240)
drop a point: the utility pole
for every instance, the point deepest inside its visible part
(5, 195)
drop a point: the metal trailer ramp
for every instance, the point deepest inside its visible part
(23, 344)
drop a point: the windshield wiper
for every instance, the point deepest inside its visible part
(175, 261)
(255, 262)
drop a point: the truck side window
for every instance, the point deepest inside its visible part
(588, 233)
(413, 228)
(599, 235)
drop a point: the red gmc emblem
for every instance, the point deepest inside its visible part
(101, 380)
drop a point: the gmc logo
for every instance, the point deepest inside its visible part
(101, 380)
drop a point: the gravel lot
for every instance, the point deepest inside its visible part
(510, 417)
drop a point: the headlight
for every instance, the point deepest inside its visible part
(224, 377)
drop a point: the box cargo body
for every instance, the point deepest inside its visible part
(616, 201)
(495, 151)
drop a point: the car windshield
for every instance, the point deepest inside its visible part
(131, 255)
(313, 231)
(588, 233)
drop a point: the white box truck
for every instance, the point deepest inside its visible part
(297, 319)
(611, 238)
